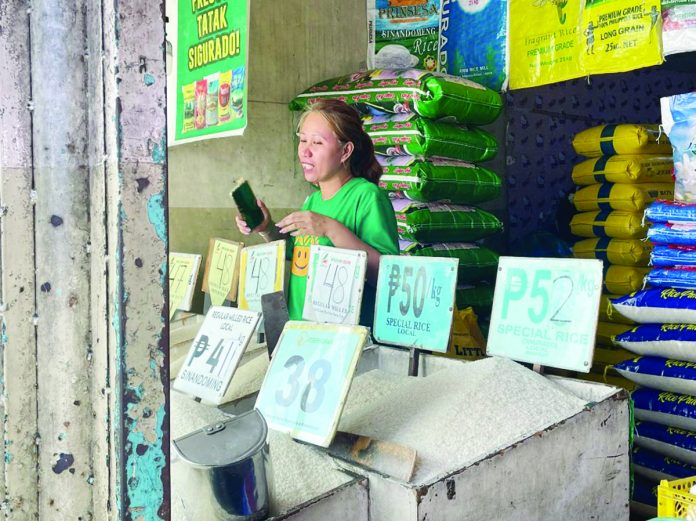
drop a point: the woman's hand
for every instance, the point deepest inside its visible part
(307, 223)
(244, 228)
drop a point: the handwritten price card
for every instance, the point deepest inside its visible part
(415, 301)
(262, 269)
(335, 283)
(215, 352)
(221, 276)
(183, 272)
(545, 311)
(307, 382)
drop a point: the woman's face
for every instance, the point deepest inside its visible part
(319, 151)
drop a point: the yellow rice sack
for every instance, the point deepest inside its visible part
(624, 279)
(610, 355)
(467, 341)
(606, 330)
(624, 169)
(607, 313)
(616, 224)
(621, 196)
(627, 252)
(610, 140)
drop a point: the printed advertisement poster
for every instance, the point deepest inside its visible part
(544, 42)
(403, 34)
(620, 35)
(211, 69)
(473, 41)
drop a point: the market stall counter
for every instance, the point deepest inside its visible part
(494, 440)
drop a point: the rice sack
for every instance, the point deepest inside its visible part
(616, 224)
(652, 465)
(410, 135)
(677, 376)
(437, 180)
(606, 331)
(624, 279)
(665, 408)
(428, 94)
(620, 196)
(624, 169)
(676, 341)
(676, 443)
(479, 297)
(671, 211)
(658, 306)
(438, 222)
(607, 313)
(675, 234)
(644, 492)
(667, 255)
(476, 263)
(610, 140)
(609, 355)
(626, 252)
(678, 277)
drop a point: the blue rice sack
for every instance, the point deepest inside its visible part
(652, 465)
(664, 374)
(677, 277)
(670, 211)
(668, 255)
(679, 234)
(658, 306)
(665, 408)
(644, 491)
(667, 441)
(677, 341)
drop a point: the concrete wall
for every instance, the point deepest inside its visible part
(292, 44)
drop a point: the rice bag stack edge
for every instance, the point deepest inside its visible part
(423, 126)
(626, 168)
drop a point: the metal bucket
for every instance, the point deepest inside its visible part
(231, 458)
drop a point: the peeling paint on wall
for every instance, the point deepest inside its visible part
(156, 216)
(146, 490)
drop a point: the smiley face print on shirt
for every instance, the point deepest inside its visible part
(300, 254)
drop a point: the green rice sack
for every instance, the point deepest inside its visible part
(476, 263)
(408, 134)
(479, 297)
(437, 222)
(428, 94)
(437, 180)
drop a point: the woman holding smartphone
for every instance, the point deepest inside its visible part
(348, 211)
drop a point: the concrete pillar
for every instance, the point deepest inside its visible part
(83, 260)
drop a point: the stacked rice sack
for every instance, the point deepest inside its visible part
(627, 168)
(665, 340)
(423, 128)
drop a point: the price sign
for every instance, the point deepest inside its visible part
(183, 272)
(222, 270)
(415, 301)
(262, 270)
(335, 283)
(307, 382)
(545, 311)
(215, 352)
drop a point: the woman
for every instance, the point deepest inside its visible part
(348, 211)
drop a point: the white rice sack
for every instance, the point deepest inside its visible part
(658, 306)
(665, 408)
(668, 441)
(677, 376)
(676, 341)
